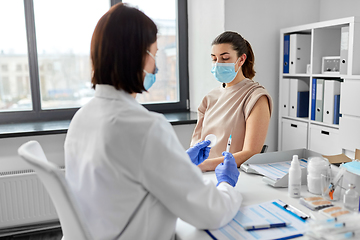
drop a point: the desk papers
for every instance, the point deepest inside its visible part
(269, 212)
(276, 170)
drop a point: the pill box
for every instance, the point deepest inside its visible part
(315, 203)
(334, 211)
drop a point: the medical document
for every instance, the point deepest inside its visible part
(268, 212)
(275, 170)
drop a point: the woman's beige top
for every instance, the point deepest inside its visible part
(224, 111)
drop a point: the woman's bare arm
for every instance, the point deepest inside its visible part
(255, 134)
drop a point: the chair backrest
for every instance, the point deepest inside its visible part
(264, 148)
(71, 220)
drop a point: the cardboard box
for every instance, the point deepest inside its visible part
(348, 177)
(342, 158)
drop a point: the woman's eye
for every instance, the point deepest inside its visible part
(225, 59)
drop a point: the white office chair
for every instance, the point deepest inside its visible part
(71, 220)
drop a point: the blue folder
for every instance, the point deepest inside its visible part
(303, 104)
(286, 53)
(313, 99)
(336, 109)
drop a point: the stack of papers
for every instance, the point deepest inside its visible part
(276, 170)
(268, 212)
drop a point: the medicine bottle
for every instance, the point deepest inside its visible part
(294, 186)
(351, 198)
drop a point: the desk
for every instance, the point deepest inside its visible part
(254, 191)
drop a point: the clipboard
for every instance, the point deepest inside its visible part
(275, 209)
(273, 157)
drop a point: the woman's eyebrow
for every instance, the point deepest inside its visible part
(220, 54)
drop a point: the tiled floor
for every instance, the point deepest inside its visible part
(54, 234)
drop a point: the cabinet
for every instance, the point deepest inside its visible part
(319, 86)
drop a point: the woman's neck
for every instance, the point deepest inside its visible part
(239, 77)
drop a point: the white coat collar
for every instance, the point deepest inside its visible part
(110, 92)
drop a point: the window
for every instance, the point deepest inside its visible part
(165, 88)
(170, 91)
(45, 73)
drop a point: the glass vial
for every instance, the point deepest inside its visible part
(351, 198)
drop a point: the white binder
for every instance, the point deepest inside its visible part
(319, 100)
(285, 95)
(299, 53)
(331, 88)
(344, 50)
(296, 86)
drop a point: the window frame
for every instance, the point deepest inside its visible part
(37, 114)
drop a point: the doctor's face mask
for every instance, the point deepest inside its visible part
(225, 72)
(150, 78)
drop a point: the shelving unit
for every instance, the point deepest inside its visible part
(328, 39)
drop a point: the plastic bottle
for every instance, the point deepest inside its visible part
(351, 198)
(294, 186)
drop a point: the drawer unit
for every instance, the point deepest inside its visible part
(294, 134)
(324, 140)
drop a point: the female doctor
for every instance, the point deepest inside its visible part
(124, 164)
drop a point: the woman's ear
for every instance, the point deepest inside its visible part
(242, 59)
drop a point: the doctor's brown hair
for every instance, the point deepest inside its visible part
(118, 48)
(241, 46)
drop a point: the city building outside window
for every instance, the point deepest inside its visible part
(45, 68)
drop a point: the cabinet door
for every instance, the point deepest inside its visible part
(350, 97)
(294, 134)
(349, 123)
(324, 140)
(349, 129)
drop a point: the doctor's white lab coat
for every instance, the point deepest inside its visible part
(131, 176)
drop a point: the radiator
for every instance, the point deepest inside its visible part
(24, 200)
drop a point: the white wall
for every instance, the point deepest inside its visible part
(333, 9)
(205, 21)
(53, 146)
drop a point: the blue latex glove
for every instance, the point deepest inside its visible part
(227, 171)
(199, 152)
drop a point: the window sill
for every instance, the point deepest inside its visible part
(11, 130)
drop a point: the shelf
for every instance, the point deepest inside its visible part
(306, 120)
(320, 75)
(338, 37)
(335, 126)
(325, 24)
(288, 75)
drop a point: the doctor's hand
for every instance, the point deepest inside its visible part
(227, 171)
(199, 152)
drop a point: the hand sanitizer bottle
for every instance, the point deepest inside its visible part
(351, 198)
(294, 186)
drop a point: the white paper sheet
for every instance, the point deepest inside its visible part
(275, 170)
(270, 212)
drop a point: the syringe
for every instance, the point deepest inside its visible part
(228, 144)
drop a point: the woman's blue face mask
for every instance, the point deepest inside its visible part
(224, 72)
(150, 78)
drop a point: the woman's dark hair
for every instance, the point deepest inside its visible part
(118, 46)
(241, 46)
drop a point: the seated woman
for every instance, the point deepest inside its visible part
(240, 106)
